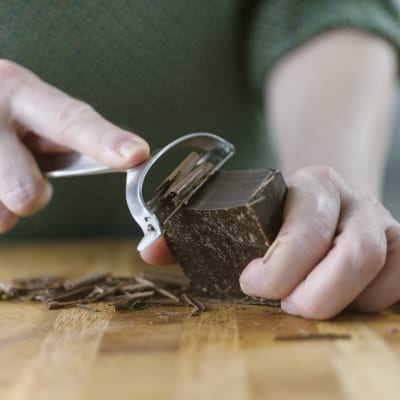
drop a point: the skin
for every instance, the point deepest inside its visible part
(329, 105)
(38, 118)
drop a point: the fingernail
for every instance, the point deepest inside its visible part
(289, 307)
(128, 148)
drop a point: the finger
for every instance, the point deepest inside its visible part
(39, 145)
(358, 255)
(310, 220)
(7, 219)
(53, 114)
(384, 290)
(158, 253)
(23, 190)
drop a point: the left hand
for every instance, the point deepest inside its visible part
(158, 253)
(338, 246)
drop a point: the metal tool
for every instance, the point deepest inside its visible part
(213, 149)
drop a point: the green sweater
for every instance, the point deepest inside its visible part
(162, 69)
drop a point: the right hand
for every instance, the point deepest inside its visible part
(338, 247)
(35, 118)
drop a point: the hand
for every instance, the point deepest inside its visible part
(38, 118)
(338, 246)
(158, 253)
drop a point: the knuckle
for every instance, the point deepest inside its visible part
(368, 255)
(330, 179)
(322, 193)
(26, 198)
(326, 172)
(12, 77)
(321, 172)
(369, 203)
(71, 116)
(8, 70)
(9, 79)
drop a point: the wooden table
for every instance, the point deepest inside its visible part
(228, 352)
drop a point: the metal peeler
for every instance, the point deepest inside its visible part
(213, 148)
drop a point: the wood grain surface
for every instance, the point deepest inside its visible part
(228, 352)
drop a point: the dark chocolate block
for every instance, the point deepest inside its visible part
(231, 220)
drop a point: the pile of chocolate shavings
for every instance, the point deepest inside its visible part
(123, 293)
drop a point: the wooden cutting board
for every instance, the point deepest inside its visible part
(229, 352)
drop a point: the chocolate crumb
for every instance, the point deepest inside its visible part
(312, 336)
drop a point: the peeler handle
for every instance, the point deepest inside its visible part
(71, 164)
(216, 149)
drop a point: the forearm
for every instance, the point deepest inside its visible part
(330, 102)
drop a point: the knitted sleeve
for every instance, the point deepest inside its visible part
(277, 26)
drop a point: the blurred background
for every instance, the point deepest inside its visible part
(392, 180)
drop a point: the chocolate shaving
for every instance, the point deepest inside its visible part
(55, 305)
(73, 294)
(197, 306)
(167, 313)
(86, 280)
(312, 336)
(123, 293)
(128, 301)
(180, 185)
(180, 171)
(162, 291)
